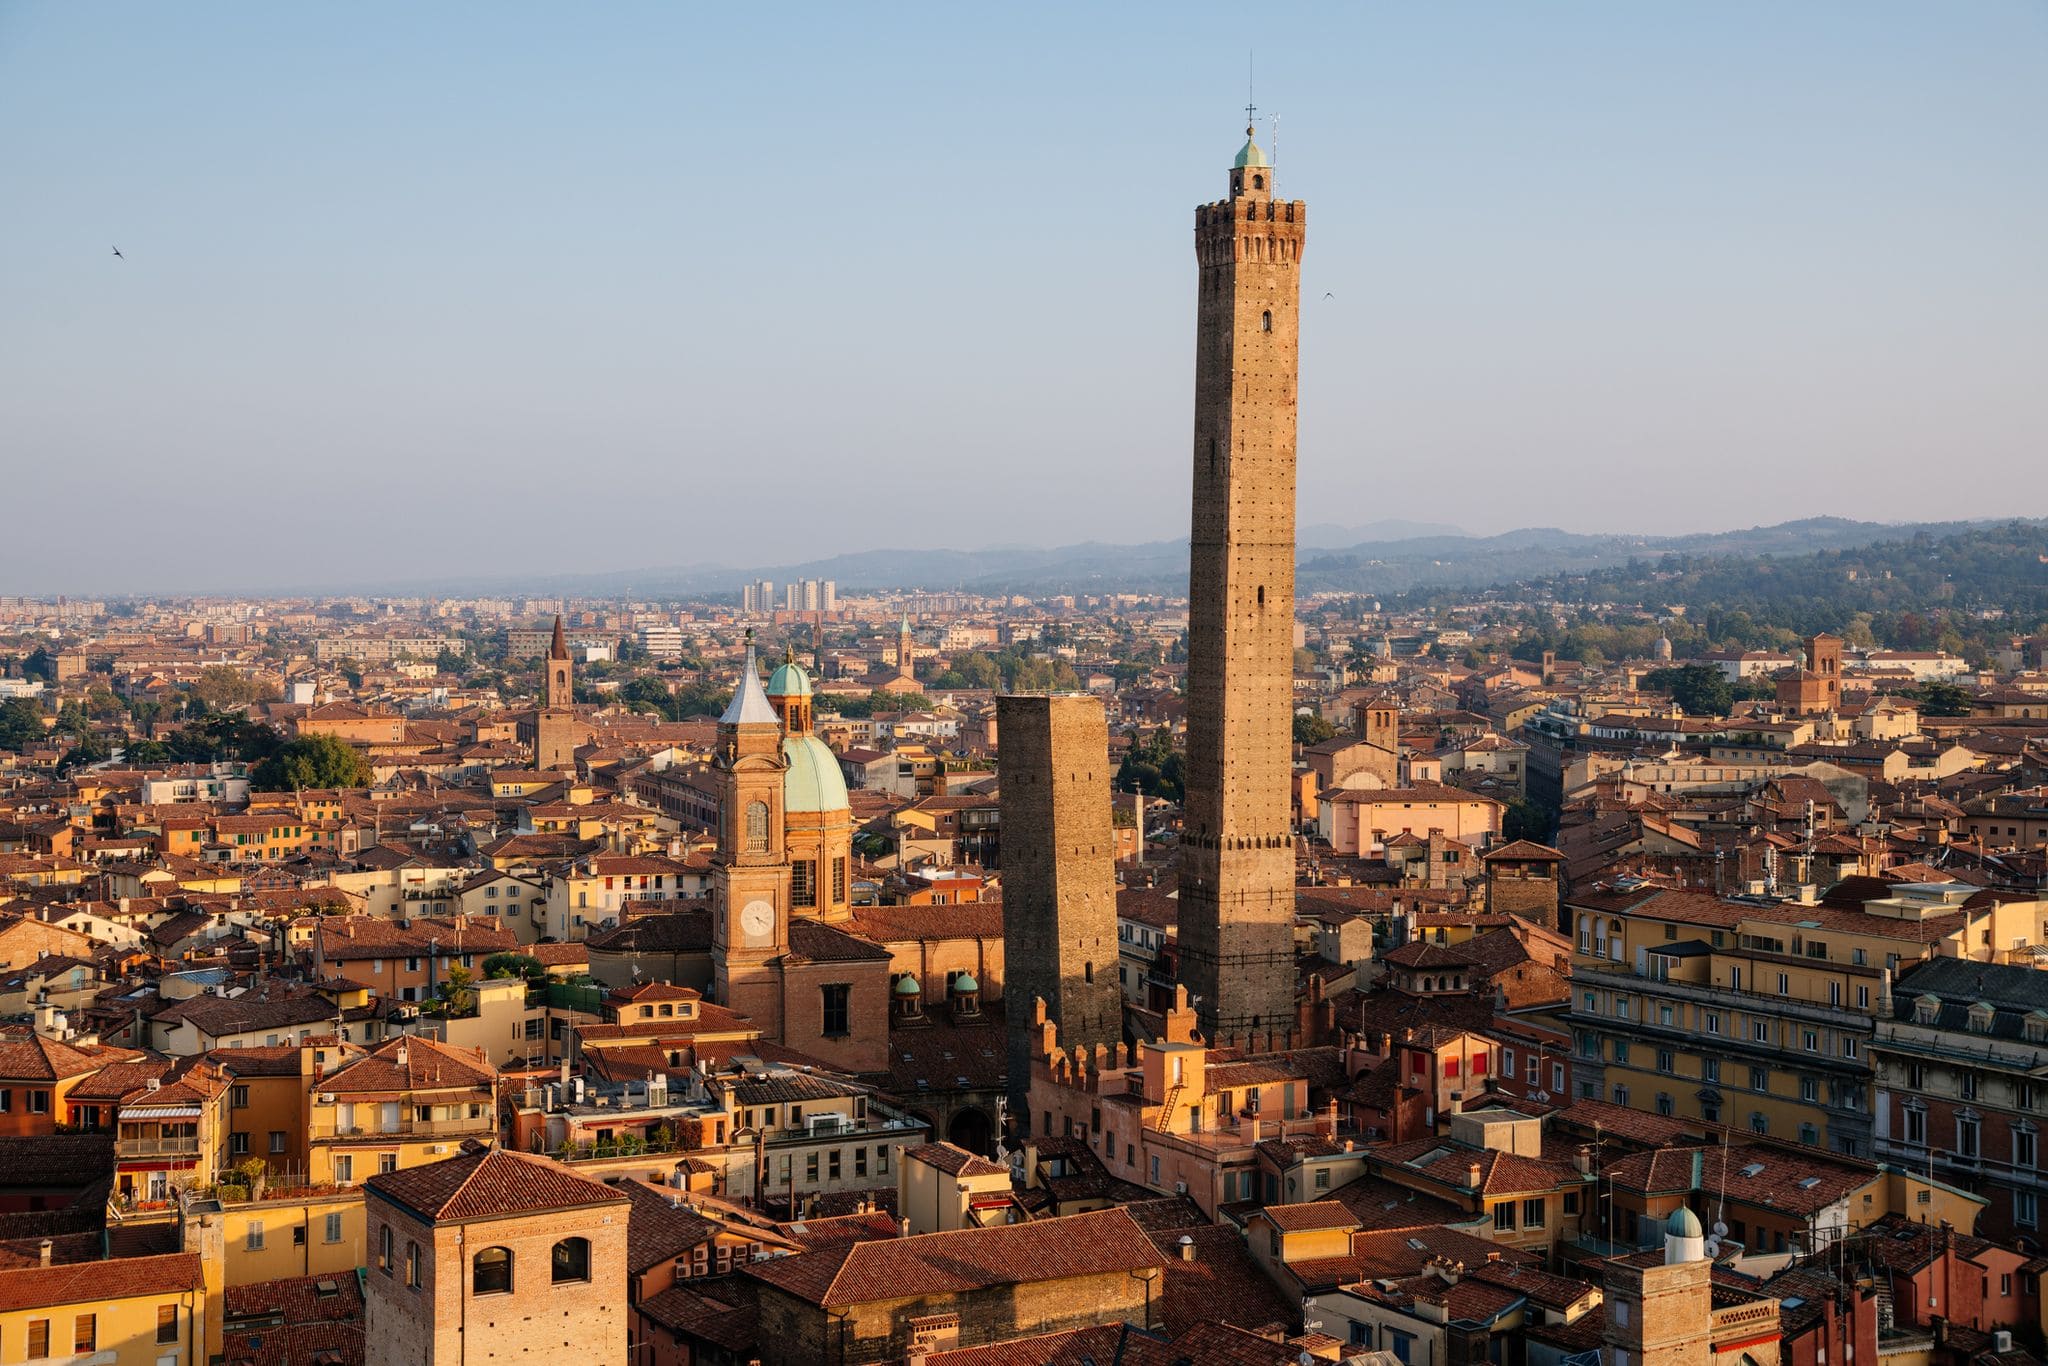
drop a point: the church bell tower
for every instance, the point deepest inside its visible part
(750, 867)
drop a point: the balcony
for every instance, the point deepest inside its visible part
(1752, 1002)
(406, 1128)
(2011, 1055)
(128, 1148)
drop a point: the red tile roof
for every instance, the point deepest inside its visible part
(489, 1185)
(964, 1260)
(39, 1287)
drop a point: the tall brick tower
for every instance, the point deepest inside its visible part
(555, 731)
(1059, 877)
(1237, 868)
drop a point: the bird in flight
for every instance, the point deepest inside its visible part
(1326, 295)
(117, 252)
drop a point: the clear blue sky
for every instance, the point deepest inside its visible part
(447, 289)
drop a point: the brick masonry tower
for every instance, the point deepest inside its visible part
(1059, 878)
(556, 732)
(1237, 868)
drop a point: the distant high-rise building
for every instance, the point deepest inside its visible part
(1059, 878)
(1237, 870)
(828, 596)
(811, 592)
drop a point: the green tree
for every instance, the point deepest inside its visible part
(457, 991)
(219, 686)
(1526, 819)
(21, 723)
(311, 761)
(1701, 689)
(515, 965)
(1311, 729)
(1942, 699)
(1154, 767)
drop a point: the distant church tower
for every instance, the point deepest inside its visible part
(1237, 869)
(555, 730)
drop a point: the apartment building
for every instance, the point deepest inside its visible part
(1962, 1087)
(1749, 1012)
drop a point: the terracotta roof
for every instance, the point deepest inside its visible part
(412, 1063)
(40, 1287)
(964, 1260)
(489, 1185)
(954, 1161)
(36, 1057)
(1220, 1283)
(1316, 1214)
(656, 1230)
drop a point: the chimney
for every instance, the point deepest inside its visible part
(1472, 1176)
(1187, 1248)
(902, 1228)
(44, 1249)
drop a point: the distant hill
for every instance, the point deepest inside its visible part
(1330, 536)
(1404, 557)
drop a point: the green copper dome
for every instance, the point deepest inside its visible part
(813, 781)
(1251, 155)
(965, 982)
(789, 680)
(906, 985)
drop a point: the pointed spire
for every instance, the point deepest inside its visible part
(749, 704)
(559, 647)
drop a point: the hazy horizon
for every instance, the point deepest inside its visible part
(491, 291)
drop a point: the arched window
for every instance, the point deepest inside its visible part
(1266, 321)
(491, 1272)
(572, 1260)
(384, 1249)
(757, 825)
(412, 1264)
(561, 678)
(1258, 182)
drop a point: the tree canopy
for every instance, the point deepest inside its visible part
(311, 761)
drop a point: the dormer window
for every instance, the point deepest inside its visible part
(1980, 1017)
(1926, 1009)
(2036, 1025)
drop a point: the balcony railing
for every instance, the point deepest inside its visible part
(1899, 1036)
(407, 1127)
(156, 1147)
(1752, 1002)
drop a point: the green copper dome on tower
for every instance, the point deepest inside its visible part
(1251, 155)
(789, 680)
(907, 985)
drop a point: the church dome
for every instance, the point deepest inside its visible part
(1251, 155)
(1684, 1224)
(813, 781)
(907, 986)
(965, 983)
(789, 680)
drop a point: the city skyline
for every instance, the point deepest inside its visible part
(1617, 272)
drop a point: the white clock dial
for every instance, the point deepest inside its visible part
(757, 921)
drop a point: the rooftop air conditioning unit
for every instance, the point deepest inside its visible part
(1180, 1188)
(327, 1097)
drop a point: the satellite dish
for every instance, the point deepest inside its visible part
(1720, 1230)
(1713, 1247)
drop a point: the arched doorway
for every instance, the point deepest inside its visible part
(972, 1129)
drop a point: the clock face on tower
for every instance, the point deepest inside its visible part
(757, 923)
